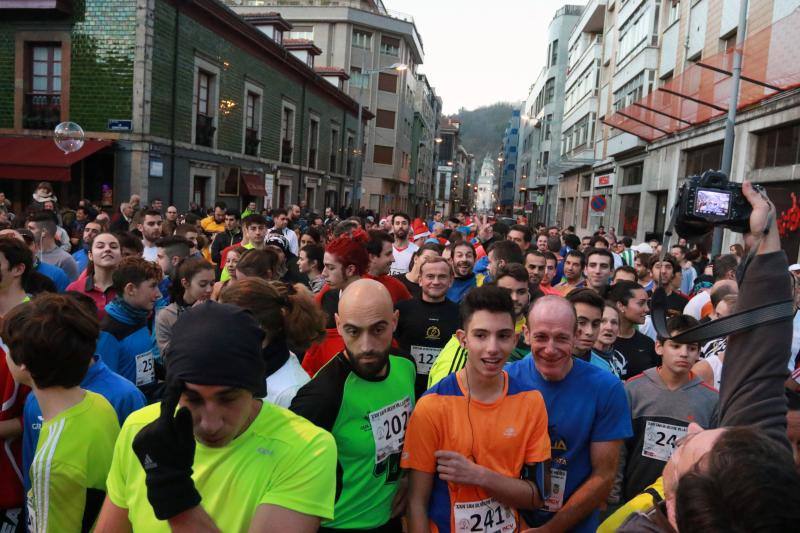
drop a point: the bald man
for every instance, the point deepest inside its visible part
(364, 397)
(588, 417)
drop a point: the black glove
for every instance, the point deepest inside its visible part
(165, 449)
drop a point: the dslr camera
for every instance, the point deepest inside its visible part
(711, 200)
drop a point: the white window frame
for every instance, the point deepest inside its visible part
(250, 87)
(213, 96)
(367, 41)
(211, 184)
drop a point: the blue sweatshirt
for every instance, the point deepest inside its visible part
(127, 345)
(460, 287)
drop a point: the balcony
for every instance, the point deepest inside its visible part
(286, 151)
(42, 111)
(251, 142)
(204, 130)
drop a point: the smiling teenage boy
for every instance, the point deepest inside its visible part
(474, 439)
(663, 400)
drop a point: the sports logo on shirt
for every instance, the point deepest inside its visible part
(433, 333)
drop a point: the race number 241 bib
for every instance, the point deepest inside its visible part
(389, 428)
(488, 516)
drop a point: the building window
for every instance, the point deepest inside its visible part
(554, 52)
(547, 122)
(42, 107)
(390, 46)
(383, 155)
(384, 119)
(549, 91)
(204, 126)
(673, 11)
(362, 39)
(358, 78)
(779, 147)
(632, 175)
(287, 134)
(641, 27)
(639, 86)
(586, 184)
(313, 142)
(334, 151)
(251, 133)
(387, 82)
(705, 158)
(302, 32)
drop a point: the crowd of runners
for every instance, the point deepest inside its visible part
(288, 371)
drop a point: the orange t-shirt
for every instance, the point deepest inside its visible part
(502, 436)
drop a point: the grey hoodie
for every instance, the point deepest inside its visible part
(660, 416)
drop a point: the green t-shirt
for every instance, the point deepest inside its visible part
(368, 418)
(69, 470)
(280, 460)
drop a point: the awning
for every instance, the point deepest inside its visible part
(254, 184)
(770, 65)
(27, 158)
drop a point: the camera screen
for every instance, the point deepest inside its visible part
(710, 202)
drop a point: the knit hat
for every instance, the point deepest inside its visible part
(217, 344)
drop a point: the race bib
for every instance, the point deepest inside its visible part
(489, 516)
(558, 484)
(389, 428)
(145, 369)
(659, 440)
(424, 357)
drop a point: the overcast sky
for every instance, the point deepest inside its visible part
(479, 52)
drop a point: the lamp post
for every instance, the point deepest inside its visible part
(398, 67)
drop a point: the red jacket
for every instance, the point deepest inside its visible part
(12, 400)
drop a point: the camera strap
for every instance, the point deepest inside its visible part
(737, 322)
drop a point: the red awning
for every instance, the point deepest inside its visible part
(27, 158)
(770, 65)
(254, 184)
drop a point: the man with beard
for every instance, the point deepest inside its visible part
(403, 248)
(574, 263)
(427, 323)
(663, 271)
(150, 228)
(514, 278)
(364, 397)
(462, 257)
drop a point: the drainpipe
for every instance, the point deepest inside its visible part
(172, 125)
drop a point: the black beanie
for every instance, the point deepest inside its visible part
(217, 344)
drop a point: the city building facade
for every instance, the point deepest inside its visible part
(647, 87)
(365, 40)
(183, 102)
(539, 156)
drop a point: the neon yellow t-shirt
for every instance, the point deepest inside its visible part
(281, 459)
(638, 504)
(73, 455)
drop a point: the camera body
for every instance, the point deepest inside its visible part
(711, 200)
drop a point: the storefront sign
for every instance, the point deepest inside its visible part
(156, 167)
(604, 180)
(120, 125)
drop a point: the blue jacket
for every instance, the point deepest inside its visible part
(460, 287)
(53, 272)
(120, 393)
(127, 346)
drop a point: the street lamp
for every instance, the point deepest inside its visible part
(397, 67)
